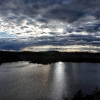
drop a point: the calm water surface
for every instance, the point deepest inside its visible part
(27, 81)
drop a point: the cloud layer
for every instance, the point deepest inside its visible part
(49, 22)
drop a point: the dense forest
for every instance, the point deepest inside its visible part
(49, 57)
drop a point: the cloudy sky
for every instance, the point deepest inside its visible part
(42, 25)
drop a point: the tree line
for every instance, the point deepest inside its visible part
(49, 56)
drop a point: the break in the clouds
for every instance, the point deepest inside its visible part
(25, 24)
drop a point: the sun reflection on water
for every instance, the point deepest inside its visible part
(60, 81)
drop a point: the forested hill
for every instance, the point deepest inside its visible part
(49, 57)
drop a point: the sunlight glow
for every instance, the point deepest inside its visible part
(47, 30)
(70, 48)
(60, 30)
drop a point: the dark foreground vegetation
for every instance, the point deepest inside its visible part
(49, 57)
(80, 96)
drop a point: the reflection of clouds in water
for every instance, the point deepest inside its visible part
(14, 64)
(24, 81)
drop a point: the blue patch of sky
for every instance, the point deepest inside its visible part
(7, 35)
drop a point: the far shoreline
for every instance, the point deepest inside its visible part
(49, 57)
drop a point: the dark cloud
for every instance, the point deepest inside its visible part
(49, 22)
(75, 8)
(17, 44)
(55, 9)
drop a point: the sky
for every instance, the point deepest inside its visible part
(50, 25)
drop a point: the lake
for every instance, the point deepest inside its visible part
(29, 81)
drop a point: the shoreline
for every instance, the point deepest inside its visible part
(49, 57)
